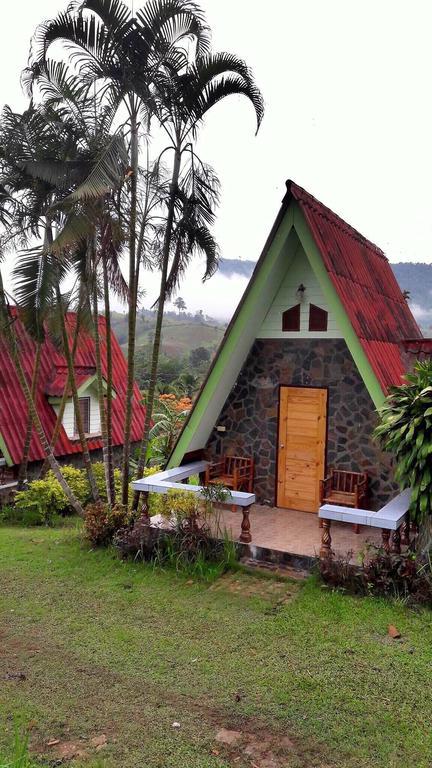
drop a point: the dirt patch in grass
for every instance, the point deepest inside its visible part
(94, 731)
(263, 749)
(246, 585)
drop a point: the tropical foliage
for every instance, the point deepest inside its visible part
(81, 189)
(406, 431)
(169, 417)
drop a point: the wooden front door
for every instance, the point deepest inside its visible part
(301, 448)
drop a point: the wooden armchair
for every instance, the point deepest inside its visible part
(346, 489)
(233, 472)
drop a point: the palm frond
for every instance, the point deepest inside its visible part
(209, 82)
(107, 173)
(76, 227)
(35, 277)
(166, 22)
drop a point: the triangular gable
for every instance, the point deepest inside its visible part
(84, 380)
(341, 261)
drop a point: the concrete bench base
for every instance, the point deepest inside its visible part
(392, 519)
(170, 479)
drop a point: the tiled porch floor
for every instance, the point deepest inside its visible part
(287, 530)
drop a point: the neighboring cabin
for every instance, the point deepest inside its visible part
(50, 386)
(311, 351)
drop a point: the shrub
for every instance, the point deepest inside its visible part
(99, 475)
(78, 483)
(155, 500)
(405, 430)
(138, 540)
(407, 575)
(40, 502)
(8, 514)
(339, 573)
(384, 574)
(180, 506)
(101, 523)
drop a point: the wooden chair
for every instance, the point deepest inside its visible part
(346, 489)
(233, 472)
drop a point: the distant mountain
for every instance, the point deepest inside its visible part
(181, 332)
(230, 267)
(414, 277)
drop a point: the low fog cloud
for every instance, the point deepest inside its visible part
(217, 297)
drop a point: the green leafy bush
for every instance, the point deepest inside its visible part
(78, 483)
(405, 430)
(99, 475)
(8, 515)
(40, 502)
(156, 501)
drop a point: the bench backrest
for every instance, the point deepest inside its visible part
(236, 462)
(344, 481)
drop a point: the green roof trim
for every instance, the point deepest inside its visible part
(247, 309)
(364, 367)
(5, 452)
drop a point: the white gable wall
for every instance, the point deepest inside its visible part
(69, 415)
(299, 271)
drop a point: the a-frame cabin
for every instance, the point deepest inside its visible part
(308, 357)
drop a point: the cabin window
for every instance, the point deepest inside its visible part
(84, 406)
(318, 318)
(291, 319)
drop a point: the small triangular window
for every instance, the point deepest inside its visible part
(318, 318)
(291, 319)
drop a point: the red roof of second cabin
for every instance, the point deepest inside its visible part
(13, 408)
(56, 385)
(366, 285)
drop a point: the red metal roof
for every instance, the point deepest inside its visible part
(55, 387)
(13, 409)
(366, 285)
(418, 347)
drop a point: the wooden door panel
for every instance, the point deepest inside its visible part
(302, 434)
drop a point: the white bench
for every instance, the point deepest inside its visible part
(389, 518)
(169, 479)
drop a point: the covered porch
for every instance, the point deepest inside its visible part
(266, 533)
(275, 530)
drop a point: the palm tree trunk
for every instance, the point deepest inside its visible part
(101, 397)
(109, 394)
(64, 399)
(133, 292)
(74, 392)
(13, 351)
(22, 474)
(159, 320)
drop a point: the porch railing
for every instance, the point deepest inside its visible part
(170, 479)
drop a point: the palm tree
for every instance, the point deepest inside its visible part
(181, 105)
(123, 57)
(65, 396)
(66, 167)
(36, 141)
(8, 333)
(180, 304)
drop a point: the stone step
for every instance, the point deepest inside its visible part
(278, 569)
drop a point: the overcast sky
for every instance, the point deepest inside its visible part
(347, 86)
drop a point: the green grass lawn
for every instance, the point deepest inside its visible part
(308, 677)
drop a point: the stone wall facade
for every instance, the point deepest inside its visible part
(250, 413)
